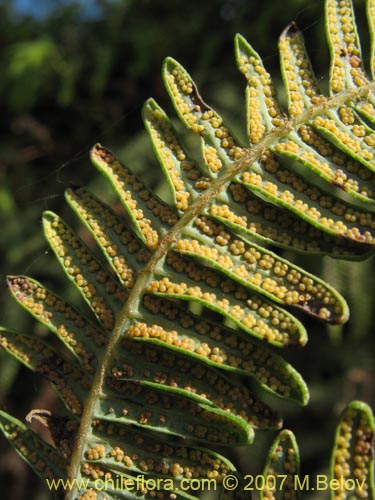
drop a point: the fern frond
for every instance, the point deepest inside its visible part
(188, 296)
(353, 453)
(281, 469)
(44, 459)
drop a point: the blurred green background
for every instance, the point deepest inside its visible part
(77, 72)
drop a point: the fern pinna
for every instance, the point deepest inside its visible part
(192, 302)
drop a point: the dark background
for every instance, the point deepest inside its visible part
(76, 73)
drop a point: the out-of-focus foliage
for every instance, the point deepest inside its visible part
(69, 80)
